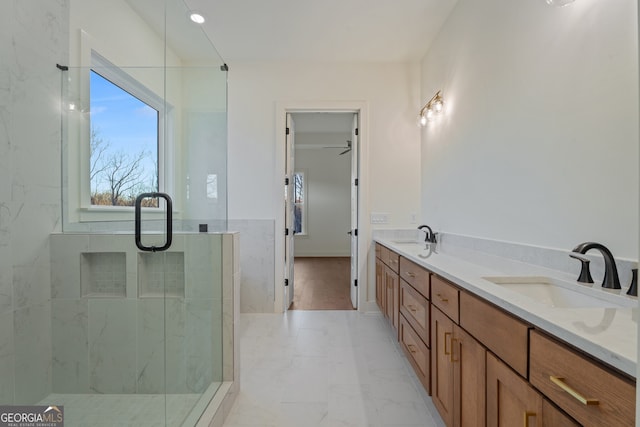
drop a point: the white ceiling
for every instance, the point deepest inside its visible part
(322, 30)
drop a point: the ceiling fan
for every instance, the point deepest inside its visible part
(347, 147)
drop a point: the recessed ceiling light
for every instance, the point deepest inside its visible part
(197, 18)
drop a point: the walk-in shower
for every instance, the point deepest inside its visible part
(140, 286)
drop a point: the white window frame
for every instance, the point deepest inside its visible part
(79, 186)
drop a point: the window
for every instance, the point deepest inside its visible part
(300, 201)
(125, 137)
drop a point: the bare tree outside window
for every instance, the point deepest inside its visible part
(123, 146)
(299, 202)
(117, 177)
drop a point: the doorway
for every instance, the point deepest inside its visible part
(321, 215)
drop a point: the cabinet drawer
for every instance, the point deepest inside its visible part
(501, 333)
(379, 250)
(445, 296)
(384, 254)
(417, 353)
(392, 260)
(614, 397)
(415, 275)
(415, 309)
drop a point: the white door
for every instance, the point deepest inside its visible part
(354, 212)
(289, 214)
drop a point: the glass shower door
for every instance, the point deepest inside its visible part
(137, 290)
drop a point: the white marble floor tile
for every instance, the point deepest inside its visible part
(326, 369)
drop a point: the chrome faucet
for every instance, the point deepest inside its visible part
(430, 236)
(611, 279)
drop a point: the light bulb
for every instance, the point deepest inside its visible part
(437, 106)
(423, 120)
(429, 114)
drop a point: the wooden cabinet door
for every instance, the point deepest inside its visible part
(380, 285)
(554, 417)
(511, 401)
(441, 365)
(392, 306)
(469, 368)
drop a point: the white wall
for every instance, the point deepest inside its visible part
(256, 171)
(328, 184)
(539, 140)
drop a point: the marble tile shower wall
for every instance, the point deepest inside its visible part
(107, 344)
(33, 38)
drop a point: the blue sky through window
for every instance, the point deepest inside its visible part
(126, 124)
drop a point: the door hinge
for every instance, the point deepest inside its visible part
(355, 283)
(356, 182)
(356, 131)
(286, 231)
(287, 131)
(286, 181)
(286, 282)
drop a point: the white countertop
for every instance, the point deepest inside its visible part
(608, 334)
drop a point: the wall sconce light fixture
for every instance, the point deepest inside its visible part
(431, 108)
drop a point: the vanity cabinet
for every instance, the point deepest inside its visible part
(414, 318)
(415, 276)
(442, 364)
(414, 307)
(392, 287)
(591, 394)
(504, 335)
(418, 354)
(380, 285)
(469, 379)
(484, 367)
(457, 362)
(445, 296)
(511, 401)
(388, 284)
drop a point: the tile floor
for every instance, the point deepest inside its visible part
(123, 410)
(326, 369)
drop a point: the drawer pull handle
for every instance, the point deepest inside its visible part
(412, 348)
(441, 298)
(559, 381)
(412, 308)
(526, 417)
(446, 334)
(410, 274)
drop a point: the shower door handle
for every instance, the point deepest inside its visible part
(168, 220)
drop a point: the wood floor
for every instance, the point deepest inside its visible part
(322, 283)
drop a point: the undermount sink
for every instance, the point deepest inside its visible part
(557, 293)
